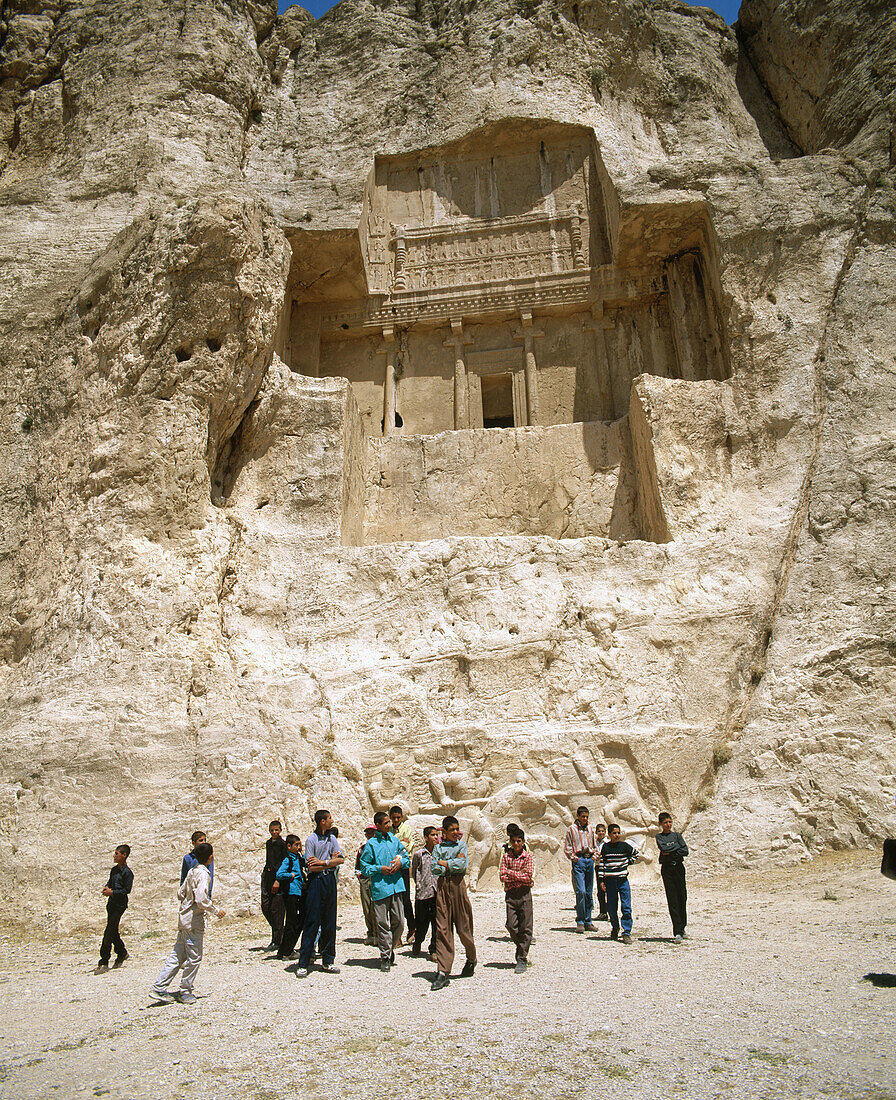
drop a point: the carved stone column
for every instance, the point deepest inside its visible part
(528, 334)
(575, 234)
(457, 342)
(597, 326)
(400, 281)
(388, 348)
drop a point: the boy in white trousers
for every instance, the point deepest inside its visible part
(186, 955)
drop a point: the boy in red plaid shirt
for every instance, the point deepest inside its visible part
(517, 872)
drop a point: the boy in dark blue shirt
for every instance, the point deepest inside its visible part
(121, 879)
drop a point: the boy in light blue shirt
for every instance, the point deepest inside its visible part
(383, 861)
(291, 876)
(450, 863)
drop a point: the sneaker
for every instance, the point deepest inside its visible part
(614, 934)
(415, 952)
(271, 946)
(185, 997)
(119, 959)
(589, 927)
(101, 968)
(521, 967)
(603, 916)
(330, 968)
(302, 972)
(580, 927)
(371, 941)
(626, 938)
(161, 994)
(385, 966)
(468, 969)
(684, 935)
(676, 939)
(440, 982)
(291, 957)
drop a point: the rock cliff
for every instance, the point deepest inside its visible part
(220, 603)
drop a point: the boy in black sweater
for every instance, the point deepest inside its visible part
(615, 859)
(673, 849)
(121, 879)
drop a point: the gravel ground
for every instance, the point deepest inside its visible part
(766, 999)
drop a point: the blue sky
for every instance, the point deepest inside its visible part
(726, 8)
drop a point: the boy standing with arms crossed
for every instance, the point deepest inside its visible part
(450, 863)
(322, 856)
(517, 873)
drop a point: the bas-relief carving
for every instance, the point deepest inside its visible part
(486, 788)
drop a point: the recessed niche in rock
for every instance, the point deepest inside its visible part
(495, 284)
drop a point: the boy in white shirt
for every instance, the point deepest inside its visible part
(186, 955)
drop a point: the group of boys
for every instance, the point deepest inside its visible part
(299, 893)
(599, 848)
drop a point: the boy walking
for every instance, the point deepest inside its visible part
(517, 873)
(579, 847)
(615, 859)
(673, 850)
(116, 890)
(425, 885)
(290, 876)
(273, 904)
(382, 862)
(322, 856)
(450, 863)
(194, 903)
(364, 888)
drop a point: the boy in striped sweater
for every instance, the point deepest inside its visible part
(615, 859)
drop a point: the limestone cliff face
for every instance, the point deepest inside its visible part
(214, 607)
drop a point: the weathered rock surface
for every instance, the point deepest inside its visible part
(204, 621)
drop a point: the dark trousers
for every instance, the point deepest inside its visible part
(406, 901)
(295, 912)
(519, 920)
(111, 936)
(424, 919)
(273, 906)
(320, 917)
(676, 895)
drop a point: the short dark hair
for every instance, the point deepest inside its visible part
(126, 848)
(276, 822)
(396, 810)
(379, 817)
(449, 820)
(291, 838)
(513, 829)
(202, 852)
(429, 830)
(197, 835)
(582, 810)
(600, 825)
(320, 815)
(665, 816)
(610, 828)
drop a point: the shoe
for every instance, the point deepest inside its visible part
(684, 935)
(161, 994)
(603, 916)
(468, 969)
(272, 946)
(101, 968)
(410, 938)
(676, 939)
(185, 997)
(626, 938)
(431, 956)
(330, 968)
(385, 966)
(415, 952)
(580, 927)
(614, 934)
(302, 972)
(521, 967)
(370, 941)
(589, 927)
(119, 959)
(440, 982)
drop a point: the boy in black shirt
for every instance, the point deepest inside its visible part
(272, 902)
(121, 879)
(673, 849)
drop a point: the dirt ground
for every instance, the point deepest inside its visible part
(768, 998)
